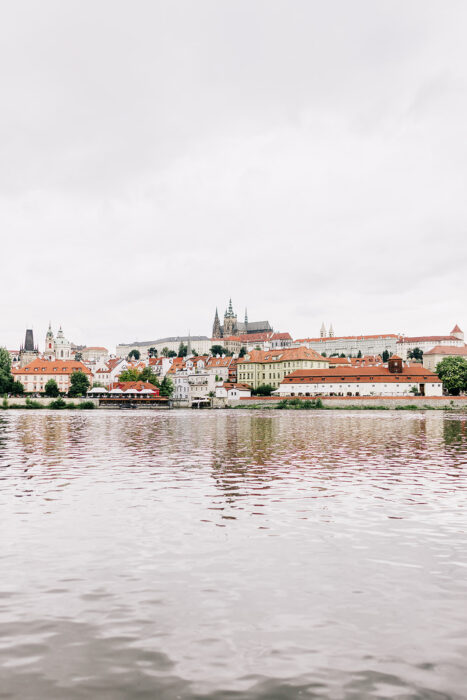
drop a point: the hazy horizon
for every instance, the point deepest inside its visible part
(306, 159)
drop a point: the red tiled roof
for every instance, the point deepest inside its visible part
(281, 336)
(447, 350)
(52, 367)
(283, 355)
(111, 364)
(135, 386)
(348, 375)
(233, 385)
(219, 362)
(427, 338)
(456, 329)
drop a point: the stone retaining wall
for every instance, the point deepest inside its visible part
(365, 401)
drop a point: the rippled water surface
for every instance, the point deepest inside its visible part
(233, 554)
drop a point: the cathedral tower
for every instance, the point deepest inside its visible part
(216, 327)
(230, 322)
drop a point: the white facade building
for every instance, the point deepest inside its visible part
(201, 343)
(233, 392)
(428, 342)
(191, 387)
(396, 379)
(352, 344)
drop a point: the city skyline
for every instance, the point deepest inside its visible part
(320, 169)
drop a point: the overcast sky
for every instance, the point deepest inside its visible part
(308, 159)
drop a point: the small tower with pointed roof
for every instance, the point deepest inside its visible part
(322, 333)
(331, 331)
(457, 333)
(49, 350)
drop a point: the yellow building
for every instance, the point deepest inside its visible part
(271, 366)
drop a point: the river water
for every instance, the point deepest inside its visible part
(233, 554)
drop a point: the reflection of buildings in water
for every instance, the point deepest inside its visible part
(455, 431)
(236, 448)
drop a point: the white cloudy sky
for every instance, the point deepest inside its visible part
(307, 158)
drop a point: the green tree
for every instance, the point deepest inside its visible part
(152, 352)
(78, 356)
(6, 378)
(342, 354)
(218, 350)
(172, 353)
(17, 389)
(242, 352)
(385, 355)
(415, 354)
(134, 353)
(359, 354)
(453, 373)
(147, 375)
(129, 375)
(165, 351)
(79, 384)
(323, 354)
(166, 387)
(263, 390)
(182, 350)
(194, 352)
(51, 389)
(5, 361)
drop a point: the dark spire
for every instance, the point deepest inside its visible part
(29, 341)
(216, 327)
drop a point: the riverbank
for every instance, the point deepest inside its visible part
(42, 402)
(366, 403)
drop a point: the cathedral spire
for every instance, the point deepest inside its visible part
(216, 327)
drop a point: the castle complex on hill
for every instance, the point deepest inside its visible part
(233, 327)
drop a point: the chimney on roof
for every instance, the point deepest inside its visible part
(395, 364)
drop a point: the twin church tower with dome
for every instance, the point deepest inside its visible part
(57, 347)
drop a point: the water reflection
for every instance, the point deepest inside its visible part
(233, 554)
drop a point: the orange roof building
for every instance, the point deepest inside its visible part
(35, 375)
(394, 380)
(271, 366)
